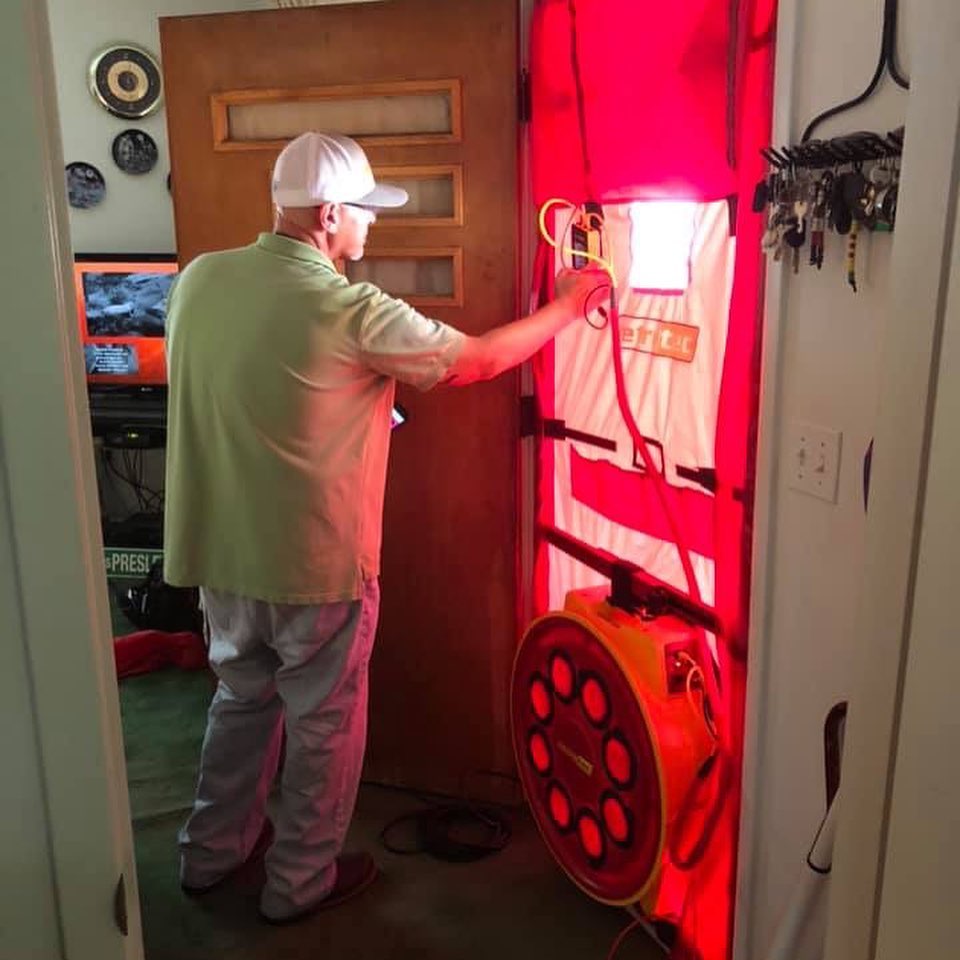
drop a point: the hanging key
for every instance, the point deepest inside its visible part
(771, 236)
(852, 238)
(796, 234)
(818, 225)
(840, 216)
(779, 245)
(817, 234)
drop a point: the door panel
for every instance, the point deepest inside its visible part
(388, 114)
(441, 668)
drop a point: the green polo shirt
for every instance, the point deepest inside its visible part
(282, 377)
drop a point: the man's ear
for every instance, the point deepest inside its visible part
(328, 217)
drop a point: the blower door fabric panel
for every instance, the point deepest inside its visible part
(655, 113)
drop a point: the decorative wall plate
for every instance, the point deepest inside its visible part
(85, 186)
(126, 80)
(134, 151)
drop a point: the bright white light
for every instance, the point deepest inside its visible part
(661, 237)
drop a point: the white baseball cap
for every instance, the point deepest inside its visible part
(318, 168)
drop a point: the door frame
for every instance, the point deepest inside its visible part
(919, 276)
(759, 661)
(52, 565)
(527, 239)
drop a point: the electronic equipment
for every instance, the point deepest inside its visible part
(121, 307)
(133, 417)
(133, 437)
(586, 235)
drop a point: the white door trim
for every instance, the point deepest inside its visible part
(58, 575)
(765, 532)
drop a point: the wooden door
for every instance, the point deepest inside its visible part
(429, 88)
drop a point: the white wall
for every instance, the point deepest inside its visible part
(823, 353)
(136, 215)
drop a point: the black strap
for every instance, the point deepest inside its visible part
(532, 425)
(558, 430)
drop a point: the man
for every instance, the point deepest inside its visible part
(282, 377)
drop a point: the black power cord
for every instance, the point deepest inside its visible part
(441, 831)
(132, 475)
(888, 60)
(581, 111)
(448, 829)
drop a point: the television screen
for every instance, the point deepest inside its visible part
(122, 308)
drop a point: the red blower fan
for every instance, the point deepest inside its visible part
(609, 731)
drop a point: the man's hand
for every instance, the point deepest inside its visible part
(578, 286)
(503, 347)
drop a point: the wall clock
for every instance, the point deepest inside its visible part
(125, 79)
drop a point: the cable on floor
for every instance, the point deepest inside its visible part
(435, 832)
(452, 830)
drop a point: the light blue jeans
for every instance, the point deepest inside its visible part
(299, 666)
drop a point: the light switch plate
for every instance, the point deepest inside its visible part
(813, 459)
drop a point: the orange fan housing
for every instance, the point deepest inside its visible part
(609, 733)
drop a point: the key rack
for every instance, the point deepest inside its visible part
(843, 185)
(853, 149)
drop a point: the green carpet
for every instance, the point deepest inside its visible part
(164, 716)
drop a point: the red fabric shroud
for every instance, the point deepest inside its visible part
(149, 650)
(654, 77)
(706, 931)
(676, 102)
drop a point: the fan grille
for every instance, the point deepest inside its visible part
(597, 798)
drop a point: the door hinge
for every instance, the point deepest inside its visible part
(120, 906)
(524, 97)
(528, 415)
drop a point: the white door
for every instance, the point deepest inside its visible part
(66, 870)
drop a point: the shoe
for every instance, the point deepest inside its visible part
(355, 872)
(260, 847)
